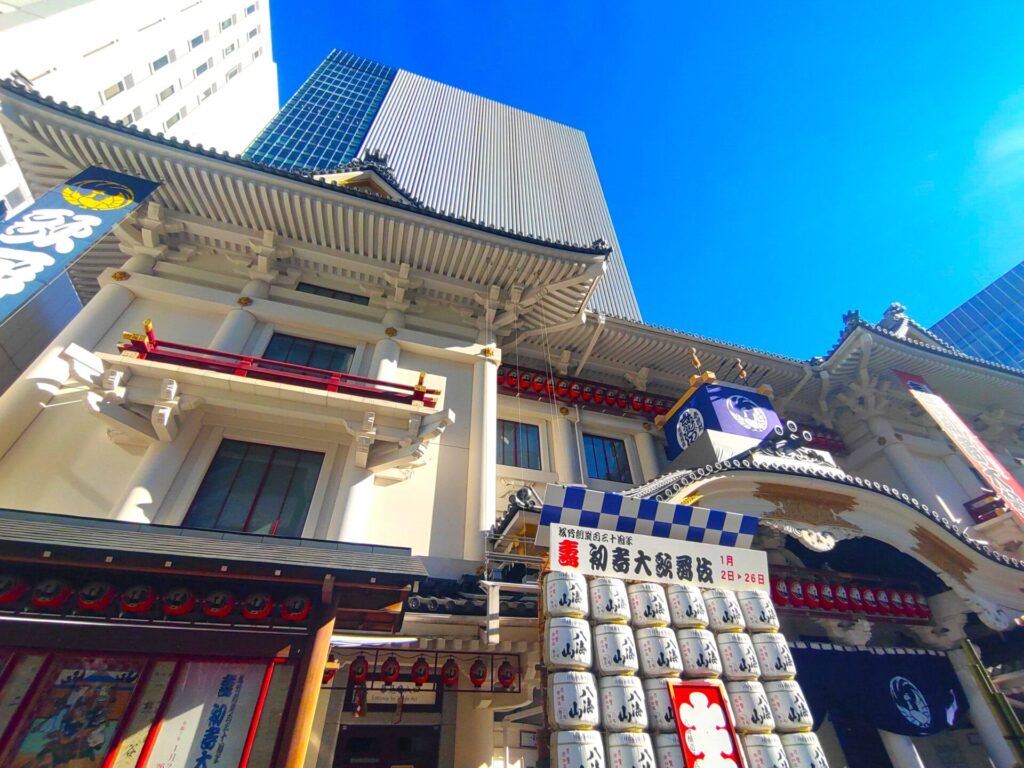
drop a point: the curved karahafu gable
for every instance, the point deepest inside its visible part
(342, 231)
(820, 505)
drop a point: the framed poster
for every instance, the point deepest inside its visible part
(528, 739)
(76, 712)
(706, 730)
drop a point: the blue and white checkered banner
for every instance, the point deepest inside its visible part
(574, 505)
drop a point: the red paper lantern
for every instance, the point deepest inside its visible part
(842, 597)
(11, 589)
(796, 592)
(827, 596)
(562, 388)
(506, 674)
(420, 671)
(295, 608)
(575, 390)
(450, 673)
(390, 670)
(648, 405)
(811, 597)
(870, 598)
(896, 598)
(922, 606)
(257, 606)
(660, 407)
(329, 674)
(478, 673)
(512, 379)
(909, 604)
(538, 383)
(525, 380)
(637, 402)
(780, 592)
(359, 671)
(856, 599)
(218, 604)
(623, 400)
(884, 603)
(179, 601)
(95, 596)
(599, 396)
(138, 599)
(587, 394)
(51, 593)
(502, 376)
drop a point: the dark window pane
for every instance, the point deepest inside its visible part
(300, 495)
(606, 459)
(244, 490)
(314, 354)
(267, 509)
(518, 444)
(216, 486)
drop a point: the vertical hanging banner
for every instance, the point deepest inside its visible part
(40, 242)
(973, 449)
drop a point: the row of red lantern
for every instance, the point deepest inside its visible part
(819, 594)
(566, 389)
(419, 672)
(100, 596)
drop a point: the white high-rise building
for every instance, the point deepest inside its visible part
(200, 70)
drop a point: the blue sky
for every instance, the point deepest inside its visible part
(767, 165)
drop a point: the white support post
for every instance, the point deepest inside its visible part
(356, 499)
(648, 453)
(567, 455)
(980, 712)
(238, 323)
(481, 503)
(901, 750)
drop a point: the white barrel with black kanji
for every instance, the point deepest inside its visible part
(573, 701)
(700, 653)
(789, 706)
(659, 652)
(803, 750)
(668, 751)
(750, 707)
(724, 613)
(567, 644)
(648, 604)
(773, 656)
(609, 603)
(622, 703)
(660, 713)
(615, 650)
(686, 606)
(575, 748)
(739, 661)
(629, 750)
(758, 611)
(565, 594)
(764, 750)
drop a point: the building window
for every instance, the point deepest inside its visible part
(163, 61)
(113, 90)
(252, 33)
(518, 444)
(251, 9)
(166, 93)
(257, 54)
(606, 459)
(233, 71)
(331, 293)
(227, 23)
(313, 354)
(196, 41)
(208, 93)
(253, 488)
(229, 50)
(172, 120)
(15, 198)
(202, 68)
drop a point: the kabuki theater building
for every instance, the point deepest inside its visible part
(322, 476)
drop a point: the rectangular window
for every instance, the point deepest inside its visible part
(257, 54)
(196, 41)
(518, 444)
(227, 23)
(208, 93)
(202, 68)
(229, 50)
(166, 93)
(253, 488)
(313, 354)
(606, 459)
(172, 120)
(160, 63)
(251, 9)
(113, 90)
(15, 198)
(252, 33)
(332, 293)
(233, 71)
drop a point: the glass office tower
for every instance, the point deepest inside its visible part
(455, 152)
(990, 324)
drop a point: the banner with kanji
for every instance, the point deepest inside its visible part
(970, 445)
(648, 558)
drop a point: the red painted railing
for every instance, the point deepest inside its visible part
(148, 347)
(985, 507)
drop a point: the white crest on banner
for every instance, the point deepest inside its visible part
(56, 228)
(19, 268)
(910, 701)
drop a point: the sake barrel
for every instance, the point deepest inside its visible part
(668, 751)
(622, 703)
(789, 706)
(750, 707)
(764, 750)
(609, 603)
(615, 649)
(699, 652)
(773, 656)
(739, 661)
(660, 714)
(572, 701)
(629, 750)
(803, 750)
(565, 594)
(568, 644)
(659, 652)
(686, 606)
(723, 611)
(571, 749)
(648, 604)
(758, 611)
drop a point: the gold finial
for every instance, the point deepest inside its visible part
(147, 326)
(696, 360)
(741, 369)
(419, 384)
